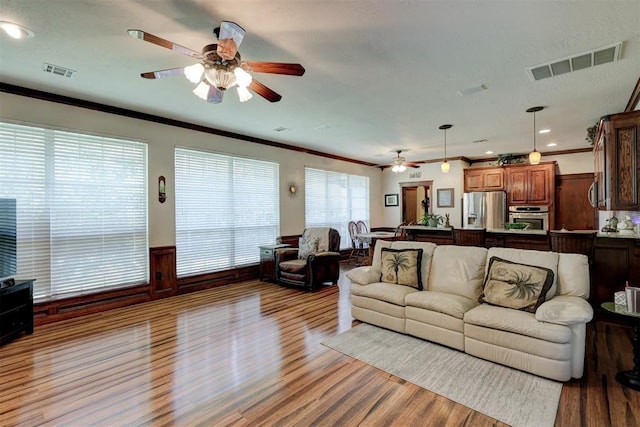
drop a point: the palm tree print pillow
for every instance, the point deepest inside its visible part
(519, 286)
(402, 267)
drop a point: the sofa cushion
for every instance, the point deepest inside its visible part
(401, 267)
(394, 294)
(512, 285)
(458, 270)
(573, 275)
(441, 302)
(516, 321)
(526, 256)
(427, 254)
(307, 246)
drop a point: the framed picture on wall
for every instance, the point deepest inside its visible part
(391, 200)
(445, 197)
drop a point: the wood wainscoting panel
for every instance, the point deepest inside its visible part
(162, 261)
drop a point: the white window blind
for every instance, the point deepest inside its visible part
(332, 199)
(225, 208)
(81, 208)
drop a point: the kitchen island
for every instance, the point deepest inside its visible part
(615, 260)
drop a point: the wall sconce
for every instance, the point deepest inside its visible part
(162, 194)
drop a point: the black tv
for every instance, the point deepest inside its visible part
(8, 239)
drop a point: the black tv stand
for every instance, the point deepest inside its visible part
(16, 310)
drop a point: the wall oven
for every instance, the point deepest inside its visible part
(536, 216)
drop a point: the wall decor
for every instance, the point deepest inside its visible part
(391, 199)
(445, 197)
(162, 192)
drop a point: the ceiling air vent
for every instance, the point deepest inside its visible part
(583, 60)
(58, 70)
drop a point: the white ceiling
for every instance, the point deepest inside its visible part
(381, 75)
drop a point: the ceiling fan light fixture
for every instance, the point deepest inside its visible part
(534, 156)
(202, 90)
(243, 79)
(244, 94)
(222, 79)
(193, 73)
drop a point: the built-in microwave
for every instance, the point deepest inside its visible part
(536, 216)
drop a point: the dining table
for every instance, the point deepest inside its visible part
(370, 238)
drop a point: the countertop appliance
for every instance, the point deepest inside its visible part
(484, 209)
(536, 216)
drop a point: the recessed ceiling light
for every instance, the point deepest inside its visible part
(488, 152)
(551, 144)
(544, 131)
(16, 31)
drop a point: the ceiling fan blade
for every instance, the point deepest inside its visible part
(274, 68)
(231, 30)
(163, 73)
(264, 91)
(159, 41)
(412, 165)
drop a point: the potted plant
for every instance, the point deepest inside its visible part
(432, 219)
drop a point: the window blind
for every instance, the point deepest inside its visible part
(332, 199)
(225, 208)
(81, 208)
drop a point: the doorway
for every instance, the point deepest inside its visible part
(416, 200)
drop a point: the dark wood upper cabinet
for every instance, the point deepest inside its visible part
(484, 179)
(616, 162)
(531, 184)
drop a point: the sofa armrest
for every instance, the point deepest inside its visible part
(364, 275)
(565, 310)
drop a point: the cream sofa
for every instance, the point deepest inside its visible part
(549, 343)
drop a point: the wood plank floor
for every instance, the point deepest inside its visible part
(250, 354)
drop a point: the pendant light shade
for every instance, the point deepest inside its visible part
(534, 156)
(444, 166)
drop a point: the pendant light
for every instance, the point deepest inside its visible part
(444, 166)
(534, 156)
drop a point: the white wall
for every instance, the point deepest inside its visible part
(428, 172)
(162, 139)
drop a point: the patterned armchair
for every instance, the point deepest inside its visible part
(314, 262)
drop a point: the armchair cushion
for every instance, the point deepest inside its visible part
(307, 246)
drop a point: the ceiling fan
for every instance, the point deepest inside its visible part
(398, 164)
(220, 67)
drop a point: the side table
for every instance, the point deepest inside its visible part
(631, 378)
(268, 261)
(16, 310)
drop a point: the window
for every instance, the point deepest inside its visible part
(81, 208)
(333, 199)
(225, 208)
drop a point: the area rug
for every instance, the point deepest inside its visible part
(506, 394)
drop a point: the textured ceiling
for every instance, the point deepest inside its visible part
(381, 75)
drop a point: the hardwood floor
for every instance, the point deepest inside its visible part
(250, 354)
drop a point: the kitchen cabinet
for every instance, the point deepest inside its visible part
(531, 184)
(483, 179)
(617, 162)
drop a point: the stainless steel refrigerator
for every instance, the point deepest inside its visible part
(484, 209)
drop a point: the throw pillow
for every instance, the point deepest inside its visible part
(307, 246)
(518, 286)
(402, 267)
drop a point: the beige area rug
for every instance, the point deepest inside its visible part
(508, 395)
